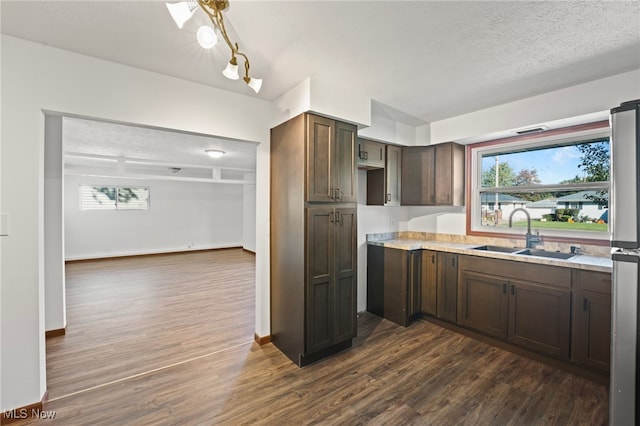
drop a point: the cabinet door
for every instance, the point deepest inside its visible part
(396, 263)
(539, 318)
(320, 271)
(370, 154)
(375, 280)
(344, 171)
(447, 286)
(428, 282)
(483, 303)
(592, 329)
(418, 176)
(443, 171)
(346, 282)
(414, 281)
(320, 141)
(393, 176)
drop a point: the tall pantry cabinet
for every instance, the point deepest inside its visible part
(313, 237)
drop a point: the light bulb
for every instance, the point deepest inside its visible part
(231, 71)
(182, 12)
(254, 83)
(207, 37)
(214, 153)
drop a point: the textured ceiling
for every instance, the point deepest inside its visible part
(142, 143)
(426, 59)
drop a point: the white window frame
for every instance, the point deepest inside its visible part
(476, 153)
(116, 201)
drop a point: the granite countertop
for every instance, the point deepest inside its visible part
(586, 262)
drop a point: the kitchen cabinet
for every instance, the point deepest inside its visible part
(433, 175)
(313, 237)
(447, 286)
(592, 319)
(331, 172)
(371, 154)
(532, 310)
(393, 283)
(428, 282)
(540, 318)
(384, 185)
(484, 303)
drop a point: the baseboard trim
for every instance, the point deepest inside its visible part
(160, 253)
(249, 251)
(55, 333)
(262, 340)
(31, 411)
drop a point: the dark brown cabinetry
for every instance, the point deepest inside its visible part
(331, 172)
(313, 237)
(447, 286)
(371, 154)
(539, 318)
(592, 319)
(428, 282)
(394, 283)
(532, 311)
(433, 175)
(384, 185)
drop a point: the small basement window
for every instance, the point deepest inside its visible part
(114, 198)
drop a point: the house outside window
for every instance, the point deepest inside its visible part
(560, 178)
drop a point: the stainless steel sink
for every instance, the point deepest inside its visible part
(500, 249)
(544, 253)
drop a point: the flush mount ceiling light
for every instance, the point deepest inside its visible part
(214, 153)
(181, 12)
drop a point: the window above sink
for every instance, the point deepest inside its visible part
(560, 177)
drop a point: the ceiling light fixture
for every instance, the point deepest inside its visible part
(214, 153)
(181, 12)
(207, 37)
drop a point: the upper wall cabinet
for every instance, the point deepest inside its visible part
(370, 154)
(433, 175)
(331, 160)
(384, 185)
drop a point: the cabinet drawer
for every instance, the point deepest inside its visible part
(599, 282)
(555, 276)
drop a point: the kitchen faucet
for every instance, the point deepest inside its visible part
(532, 240)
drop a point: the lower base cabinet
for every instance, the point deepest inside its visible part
(560, 312)
(534, 315)
(393, 283)
(591, 335)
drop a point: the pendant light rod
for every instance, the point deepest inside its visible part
(213, 9)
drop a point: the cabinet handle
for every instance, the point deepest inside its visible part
(332, 217)
(513, 290)
(585, 304)
(433, 259)
(504, 288)
(453, 261)
(338, 194)
(338, 218)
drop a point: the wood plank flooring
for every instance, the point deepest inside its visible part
(130, 315)
(420, 375)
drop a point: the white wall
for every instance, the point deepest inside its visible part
(583, 99)
(54, 283)
(35, 78)
(182, 216)
(249, 214)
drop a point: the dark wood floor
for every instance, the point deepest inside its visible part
(422, 375)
